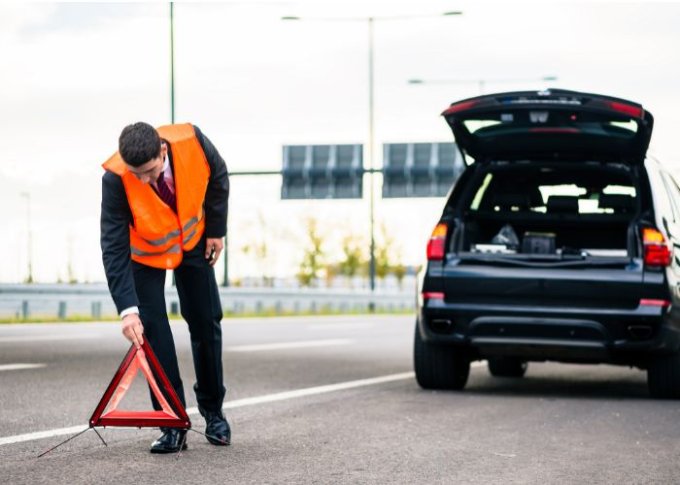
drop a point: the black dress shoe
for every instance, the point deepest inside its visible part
(171, 441)
(217, 429)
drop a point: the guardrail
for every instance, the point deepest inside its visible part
(93, 300)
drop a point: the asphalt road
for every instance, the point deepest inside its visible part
(331, 400)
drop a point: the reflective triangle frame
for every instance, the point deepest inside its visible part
(172, 414)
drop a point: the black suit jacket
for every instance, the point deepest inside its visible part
(116, 218)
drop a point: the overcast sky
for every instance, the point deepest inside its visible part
(72, 75)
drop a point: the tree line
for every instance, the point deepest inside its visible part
(317, 265)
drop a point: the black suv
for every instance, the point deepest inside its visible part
(560, 241)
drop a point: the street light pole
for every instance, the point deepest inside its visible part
(371, 151)
(172, 80)
(27, 196)
(172, 63)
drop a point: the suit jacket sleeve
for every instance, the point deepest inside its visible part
(115, 242)
(217, 193)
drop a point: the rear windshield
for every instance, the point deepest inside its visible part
(554, 189)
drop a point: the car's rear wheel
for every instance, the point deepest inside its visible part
(507, 367)
(663, 376)
(438, 366)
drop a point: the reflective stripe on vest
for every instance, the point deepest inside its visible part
(159, 242)
(191, 223)
(163, 240)
(174, 249)
(188, 237)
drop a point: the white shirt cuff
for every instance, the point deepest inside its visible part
(128, 311)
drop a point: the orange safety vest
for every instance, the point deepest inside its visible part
(158, 234)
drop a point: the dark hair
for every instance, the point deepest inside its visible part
(139, 143)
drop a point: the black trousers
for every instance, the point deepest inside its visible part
(200, 306)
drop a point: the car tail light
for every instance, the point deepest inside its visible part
(433, 295)
(435, 246)
(656, 252)
(628, 109)
(652, 302)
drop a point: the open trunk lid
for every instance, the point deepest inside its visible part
(550, 125)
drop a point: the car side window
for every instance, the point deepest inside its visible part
(675, 190)
(673, 196)
(661, 195)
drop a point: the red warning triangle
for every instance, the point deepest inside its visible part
(172, 414)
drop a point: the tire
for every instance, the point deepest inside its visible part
(438, 366)
(663, 377)
(507, 367)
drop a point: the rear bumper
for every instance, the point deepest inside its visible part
(628, 336)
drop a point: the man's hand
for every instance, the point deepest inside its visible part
(213, 248)
(133, 329)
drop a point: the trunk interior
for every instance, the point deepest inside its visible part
(549, 210)
(597, 236)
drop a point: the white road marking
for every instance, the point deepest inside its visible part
(50, 433)
(249, 401)
(339, 326)
(310, 391)
(505, 455)
(20, 366)
(289, 345)
(43, 338)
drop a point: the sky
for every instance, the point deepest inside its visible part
(74, 74)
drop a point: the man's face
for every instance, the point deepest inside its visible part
(151, 170)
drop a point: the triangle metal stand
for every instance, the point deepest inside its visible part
(72, 437)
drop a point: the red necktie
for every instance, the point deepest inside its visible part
(165, 192)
